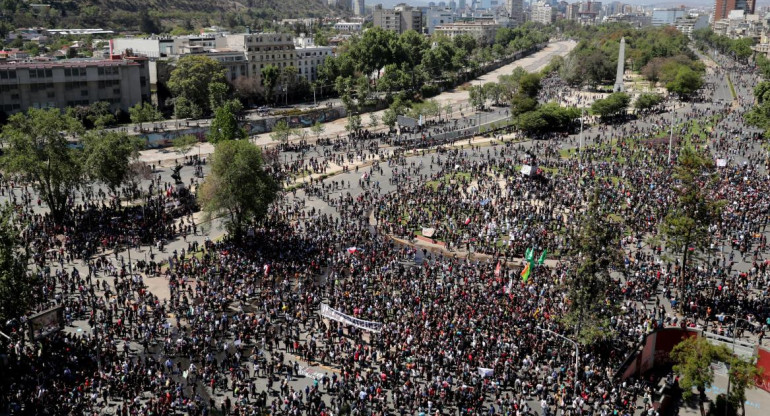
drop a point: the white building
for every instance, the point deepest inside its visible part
(436, 16)
(348, 26)
(483, 31)
(542, 13)
(309, 56)
(689, 24)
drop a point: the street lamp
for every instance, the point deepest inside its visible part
(671, 136)
(577, 348)
(582, 115)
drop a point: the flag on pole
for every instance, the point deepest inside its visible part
(497, 269)
(529, 255)
(541, 260)
(525, 272)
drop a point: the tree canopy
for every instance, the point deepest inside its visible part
(238, 187)
(17, 287)
(191, 79)
(38, 150)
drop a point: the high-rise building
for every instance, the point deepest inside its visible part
(398, 19)
(359, 7)
(515, 11)
(723, 7)
(436, 16)
(542, 13)
(665, 17)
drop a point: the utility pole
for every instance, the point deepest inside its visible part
(671, 136)
(582, 115)
(577, 348)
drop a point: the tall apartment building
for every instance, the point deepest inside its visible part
(398, 19)
(261, 50)
(542, 13)
(309, 56)
(436, 16)
(59, 84)
(358, 7)
(666, 17)
(515, 11)
(722, 8)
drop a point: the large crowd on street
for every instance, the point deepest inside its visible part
(458, 330)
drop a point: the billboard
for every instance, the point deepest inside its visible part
(47, 322)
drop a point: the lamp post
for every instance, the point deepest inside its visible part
(577, 348)
(582, 116)
(671, 136)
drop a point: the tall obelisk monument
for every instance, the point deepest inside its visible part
(621, 66)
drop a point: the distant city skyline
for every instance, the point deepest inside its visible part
(663, 3)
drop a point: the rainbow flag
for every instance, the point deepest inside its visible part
(525, 272)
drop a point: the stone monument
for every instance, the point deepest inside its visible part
(621, 67)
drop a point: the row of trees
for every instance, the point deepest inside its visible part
(681, 74)
(594, 60)
(382, 61)
(739, 49)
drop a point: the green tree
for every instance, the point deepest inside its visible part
(17, 287)
(317, 129)
(686, 82)
(476, 96)
(225, 126)
(531, 123)
(144, 113)
(191, 79)
(353, 124)
(281, 131)
(595, 254)
(686, 226)
(529, 84)
(37, 148)
(648, 100)
(96, 115)
(270, 75)
(238, 187)
(615, 103)
(759, 116)
(389, 118)
(108, 157)
(374, 121)
(492, 91)
(218, 93)
(184, 143)
(184, 108)
(692, 361)
(522, 103)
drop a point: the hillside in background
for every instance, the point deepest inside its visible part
(157, 15)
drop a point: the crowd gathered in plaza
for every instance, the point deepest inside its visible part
(458, 331)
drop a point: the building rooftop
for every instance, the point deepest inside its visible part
(69, 63)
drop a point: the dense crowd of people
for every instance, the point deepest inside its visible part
(456, 333)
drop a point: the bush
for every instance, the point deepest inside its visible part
(429, 90)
